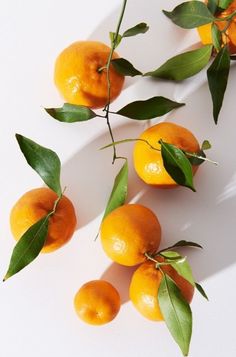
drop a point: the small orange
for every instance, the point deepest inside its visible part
(34, 205)
(129, 232)
(144, 289)
(230, 37)
(78, 78)
(148, 162)
(97, 302)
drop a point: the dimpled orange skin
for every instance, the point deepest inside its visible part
(144, 289)
(77, 77)
(148, 162)
(205, 30)
(34, 205)
(97, 302)
(129, 232)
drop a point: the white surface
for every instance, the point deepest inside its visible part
(36, 306)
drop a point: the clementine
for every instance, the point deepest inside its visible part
(78, 76)
(97, 302)
(144, 289)
(148, 162)
(129, 232)
(37, 203)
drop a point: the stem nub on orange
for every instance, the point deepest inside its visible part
(144, 289)
(97, 302)
(148, 162)
(78, 76)
(230, 34)
(129, 232)
(36, 204)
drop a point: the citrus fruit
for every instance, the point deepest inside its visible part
(34, 205)
(148, 162)
(97, 302)
(144, 287)
(78, 77)
(129, 232)
(230, 36)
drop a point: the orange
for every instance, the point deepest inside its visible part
(230, 37)
(148, 162)
(34, 205)
(129, 232)
(77, 75)
(144, 289)
(97, 302)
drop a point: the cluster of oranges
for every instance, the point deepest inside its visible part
(131, 231)
(130, 234)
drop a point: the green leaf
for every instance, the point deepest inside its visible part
(44, 161)
(212, 6)
(182, 267)
(217, 75)
(112, 38)
(183, 66)
(177, 165)
(28, 247)
(124, 67)
(184, 243)
(216, 37)
(71, 113)
(196, 158)
(176, 312)
(201, 290)
(223, 4)
(149, 109)
(190, 14)
(206, 145)
(136, 30)
(119, 190)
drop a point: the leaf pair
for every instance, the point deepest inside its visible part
(47, 164)
(175, 309)
(140, 28)
(138, 110)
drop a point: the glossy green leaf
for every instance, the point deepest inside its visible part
(217, 75)
(71, 113)
(223, 4)
(201, 290)
(177, 165)
(216, 37)
(44, 161)
(190, 14)
(206, 145)
(176, 312)
(183, 66)
(112, 38)
(182, 266)
(28, 247)
(119, 190)
(124, 67)
(136, 30)
(149, 109)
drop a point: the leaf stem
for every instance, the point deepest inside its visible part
(107, 67)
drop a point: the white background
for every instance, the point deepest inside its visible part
(37, 317)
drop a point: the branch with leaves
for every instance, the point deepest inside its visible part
(189, 15)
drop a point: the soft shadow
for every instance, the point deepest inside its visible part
(120, 276)
(89, 174)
